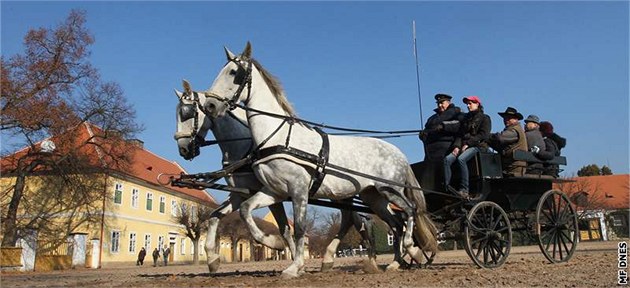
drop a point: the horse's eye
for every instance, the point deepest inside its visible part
(232, 72)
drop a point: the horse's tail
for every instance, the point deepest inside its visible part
(425, 231)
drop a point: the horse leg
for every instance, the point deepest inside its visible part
(396, 197)
(299, 216)
(365, 229)
(224, 209)
(346, 223)
(259, 200)
(283, 225)
(380, 206)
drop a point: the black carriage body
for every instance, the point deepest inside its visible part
(501, 204)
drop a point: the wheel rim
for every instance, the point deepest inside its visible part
(488, 235)
(556, 226)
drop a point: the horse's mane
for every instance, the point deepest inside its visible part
(275, 87)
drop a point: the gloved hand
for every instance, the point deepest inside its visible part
(535, 149)
(422, 135)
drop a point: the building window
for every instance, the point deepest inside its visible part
(149, 201)
(201, 248)
(192, 248)
(182, 247)
(147, 242)
(160, 242)
(162, 204)
(115, 241)
(193, 212)
(174, 208)
(135, 194)
(132, 242)
(118, 193)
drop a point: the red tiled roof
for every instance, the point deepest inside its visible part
(615, 189)
(145, 165)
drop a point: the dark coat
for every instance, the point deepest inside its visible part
(439, 135)
(142, 254)
(475, 127)
(551, 151)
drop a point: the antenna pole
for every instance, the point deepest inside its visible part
(415, 54)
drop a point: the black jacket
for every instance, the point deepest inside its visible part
(475, 128)
(438, 135)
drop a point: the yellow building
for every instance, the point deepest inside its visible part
(139, 211)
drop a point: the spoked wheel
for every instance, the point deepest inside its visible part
(488, 235)
(556, 226)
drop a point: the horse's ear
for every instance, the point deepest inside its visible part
(186, 85)
(230, 56)
(247, 52)
(179, 94)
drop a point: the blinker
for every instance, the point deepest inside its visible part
(187, 111)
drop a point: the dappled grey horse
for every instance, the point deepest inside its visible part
(292, 158)
(234, 139)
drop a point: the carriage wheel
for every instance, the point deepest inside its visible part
(556, 226)
(488, 235)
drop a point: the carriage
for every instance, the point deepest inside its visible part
(503, 205)
(291, 157)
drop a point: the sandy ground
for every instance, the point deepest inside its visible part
(593, 265)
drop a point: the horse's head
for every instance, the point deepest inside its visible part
(192, 123)
(232, 84)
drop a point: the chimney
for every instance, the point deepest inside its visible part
(139, 143)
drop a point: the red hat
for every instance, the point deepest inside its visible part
(546, 128)
(473, 99)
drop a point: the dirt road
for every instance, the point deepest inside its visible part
(593, 265)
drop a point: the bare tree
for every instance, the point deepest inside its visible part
(195, 221)
(53, 90)
(584, 194)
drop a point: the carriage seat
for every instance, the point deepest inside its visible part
(538, 172)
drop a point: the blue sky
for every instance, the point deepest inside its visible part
(352, 64)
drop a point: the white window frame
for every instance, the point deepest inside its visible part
(114, 241)
(201, 247)
(147, 242)
(174, 208)
(390, 239)
(135, 198)
(192, 248)
(162, 201)
(133, 237)
(118, 187)
(149, 197)
(182, 247)
(160, 241)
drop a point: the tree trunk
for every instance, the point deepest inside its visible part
(196, 251)
(234, 250)
(10, 221)
(10, 233)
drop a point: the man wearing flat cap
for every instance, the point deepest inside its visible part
(512, 138)
(535, 141)
(440, 130)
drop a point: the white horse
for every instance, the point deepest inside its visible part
(291, 160)
(234, 139)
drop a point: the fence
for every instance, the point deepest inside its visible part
(53, 256)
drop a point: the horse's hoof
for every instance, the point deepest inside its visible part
(394, 266)
(370, 267)
(327, 266)
(289, 274)
(213, 266)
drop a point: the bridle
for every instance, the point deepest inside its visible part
(187, 112)
(247, 81)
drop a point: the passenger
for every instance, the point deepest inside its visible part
(473, 136)
(512, 138)
(535, 142)
(552, 148)
(547, 128)
(439, 133)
